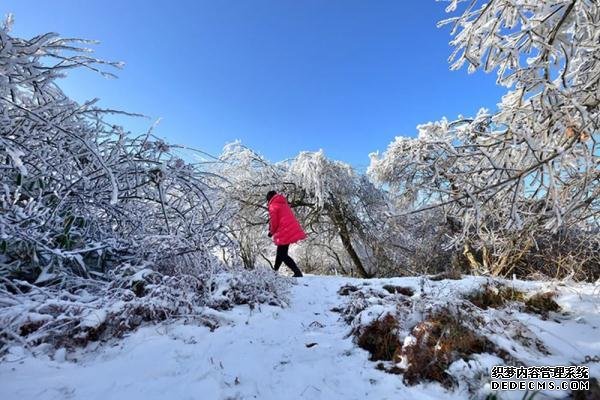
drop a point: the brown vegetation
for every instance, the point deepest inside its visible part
(453, 274)
(439, 340)
(380, 338)
(542, 303)
(347, 289)
(494, 296)
(406, 291)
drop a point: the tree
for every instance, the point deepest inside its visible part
(247, 177)
(80, 195)
(347, 208)
(345, 216)
(532, 168)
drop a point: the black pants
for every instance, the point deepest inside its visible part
(283, 257)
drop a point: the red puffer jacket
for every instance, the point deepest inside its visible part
(283, 224)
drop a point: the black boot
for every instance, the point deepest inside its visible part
(292, 265)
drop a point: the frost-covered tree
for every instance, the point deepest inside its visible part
(346, 217)
(533, 166)
(79, 194)
(101, 230)
(247, 177)
(347, 209)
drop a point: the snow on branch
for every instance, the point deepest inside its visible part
(79, 195)
(533, 166)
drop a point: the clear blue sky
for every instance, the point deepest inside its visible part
(281, 75)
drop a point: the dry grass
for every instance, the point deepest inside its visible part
(380, 338)
(439, 340)
(347, 289)
(494, 296)
(406, 291)
(445, 335)
(498, 295)
(571, 253)
(453, 274)
(542, 303)
(90, 311)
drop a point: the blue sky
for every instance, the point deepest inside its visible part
(283, 76)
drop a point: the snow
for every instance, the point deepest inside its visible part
(94, 319)
(16, 155)
(264, 353)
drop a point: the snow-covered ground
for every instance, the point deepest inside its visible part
(300, 352)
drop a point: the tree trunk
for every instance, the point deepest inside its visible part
(339, 221)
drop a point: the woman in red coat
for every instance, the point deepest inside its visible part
(285, 230)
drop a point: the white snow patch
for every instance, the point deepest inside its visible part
(300, 352)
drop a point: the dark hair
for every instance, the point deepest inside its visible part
(271, 194)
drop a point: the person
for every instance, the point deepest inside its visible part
(285, 229)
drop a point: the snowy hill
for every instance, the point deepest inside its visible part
(307, 350)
